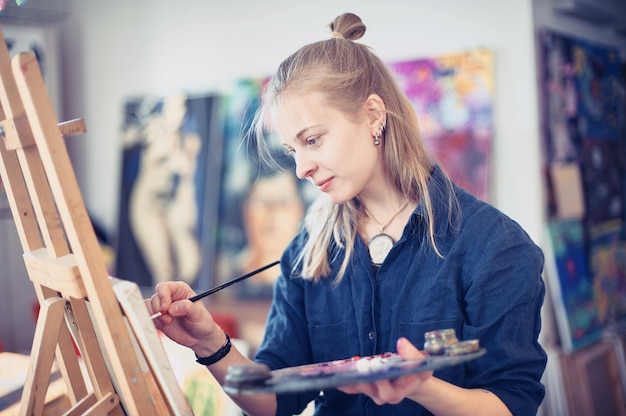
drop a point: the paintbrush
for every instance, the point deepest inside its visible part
(225, 285)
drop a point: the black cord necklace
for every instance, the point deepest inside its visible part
(380, 245)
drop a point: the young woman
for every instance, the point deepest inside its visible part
(391, 250)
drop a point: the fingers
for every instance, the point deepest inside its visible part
(368, 389)
(166, 293)
(388, 392)
(381, 392)
(393, 391)
(407, 350)
(352, 389)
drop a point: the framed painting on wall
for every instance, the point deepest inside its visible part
(607, 251)
(583, 94)
(585, 375)
(260, 206)
(584, 120)
(571, 285)
(453, 98)
(166, 204)
(584, 126)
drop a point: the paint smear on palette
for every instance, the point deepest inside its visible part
(453, 98)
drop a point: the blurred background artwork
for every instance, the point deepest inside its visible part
(584, 130)
(453, 98)
(261, 206)
(260, 209)
(179, 149)
(578, 311)
(163, 212)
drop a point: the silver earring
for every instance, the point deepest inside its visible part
(380, 133)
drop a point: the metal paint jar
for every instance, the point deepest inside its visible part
(436, 342)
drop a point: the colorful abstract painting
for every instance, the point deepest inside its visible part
(583, 94)
(584, 119)
(453, 98)
(584, 126)
(602, 174)
(571, 285)
(608, 265)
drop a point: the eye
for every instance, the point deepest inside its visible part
(313, 140)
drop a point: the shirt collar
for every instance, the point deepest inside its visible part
(440, 189)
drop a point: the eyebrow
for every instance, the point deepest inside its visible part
(301, 133)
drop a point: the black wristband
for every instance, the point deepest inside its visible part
(221, 353)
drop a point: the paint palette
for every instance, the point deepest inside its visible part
(257, 378)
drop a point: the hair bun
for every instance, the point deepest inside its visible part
(348, 26)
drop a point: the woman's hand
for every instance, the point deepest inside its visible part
(188, 323)
(395, 390)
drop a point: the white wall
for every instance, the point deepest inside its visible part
(114, 49)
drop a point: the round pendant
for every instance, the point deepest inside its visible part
(379, 247)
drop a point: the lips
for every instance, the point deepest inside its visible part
(324, 185)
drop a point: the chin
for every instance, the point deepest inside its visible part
(339, 199)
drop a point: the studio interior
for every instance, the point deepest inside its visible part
(523, 102)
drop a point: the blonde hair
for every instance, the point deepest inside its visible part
(347, 73)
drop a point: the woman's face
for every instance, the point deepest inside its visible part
(335, 152)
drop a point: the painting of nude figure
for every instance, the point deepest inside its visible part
(162, 217)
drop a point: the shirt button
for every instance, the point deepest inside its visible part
(372, 335)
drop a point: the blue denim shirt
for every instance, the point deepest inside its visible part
(488, 287)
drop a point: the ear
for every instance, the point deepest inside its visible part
(376, 113)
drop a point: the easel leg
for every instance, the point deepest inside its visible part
(92, 354)
(42, 356)
(65, 354)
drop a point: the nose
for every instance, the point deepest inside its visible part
(304, 167)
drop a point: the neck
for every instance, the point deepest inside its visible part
(394, 216)
(382, 206)
(388, 221)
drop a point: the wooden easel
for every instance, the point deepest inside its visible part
(122, 368)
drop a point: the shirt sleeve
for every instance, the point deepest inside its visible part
(286, 341)
(504, 293)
